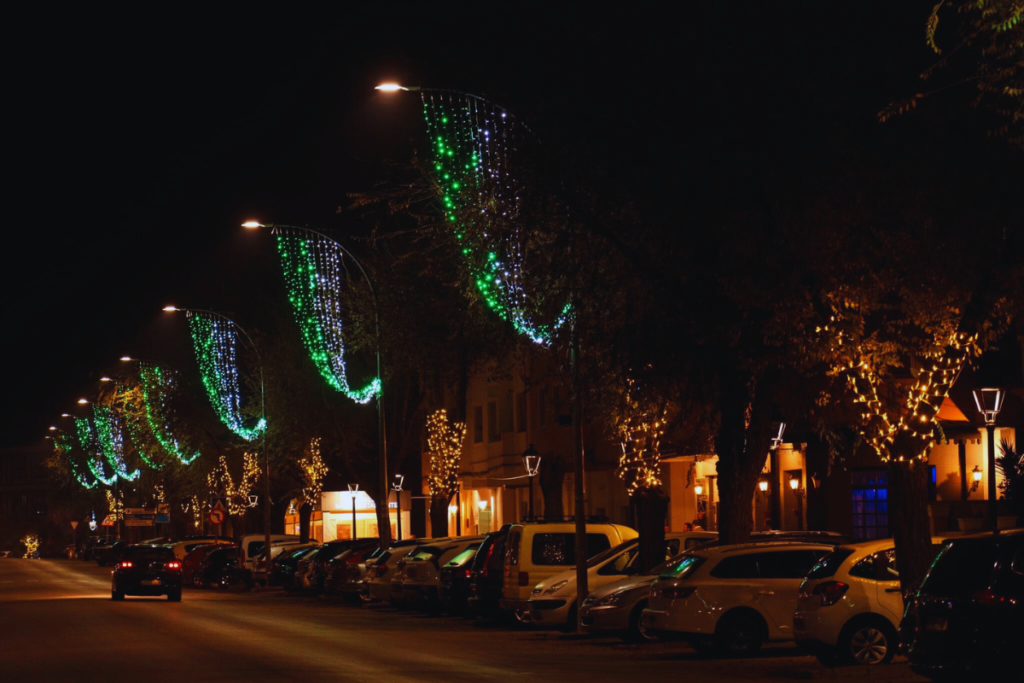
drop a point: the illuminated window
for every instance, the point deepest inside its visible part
(870, 504)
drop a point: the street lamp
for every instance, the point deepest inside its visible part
(775, 499)
(989, 402)
(353, 490)
(975, 478)
(381, 432)
(83, 401)
(263, 415)
(531, 461)
(397, 488)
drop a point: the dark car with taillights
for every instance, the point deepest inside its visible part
(146, 570)
(487, 573)
(453, 589)
(967, 618)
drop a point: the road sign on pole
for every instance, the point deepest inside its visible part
(216, 516)
(74, 524)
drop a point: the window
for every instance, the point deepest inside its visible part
(829, 565)
(870, 504)
(736, 567)
(789, 564)
(865, 569)
(560, 549)
(543, 400)
(961, 568)
(492, 422)
(521, 411)
(478, 424)
(506, 413)
(617, 567)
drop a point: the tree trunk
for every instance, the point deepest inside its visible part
(651, 507)
(383, 521)
(305, 512)
(438, 517)
(908, 515)
(552, 478)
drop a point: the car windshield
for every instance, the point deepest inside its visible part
(611, 552)
(679, 567)
(962, 568)
(828, 565)
(462, 558)
(148, 554)
(425, 553)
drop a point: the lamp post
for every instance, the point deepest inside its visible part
(531, 461)
(381, 432)
(397, 488)
(989, 402)
(798, 491)
(353, 490)
(263, 417)
(775, 496)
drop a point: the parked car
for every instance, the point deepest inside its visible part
(454, 582)
(346, 572)
(378, 578)
(731, 598)
(189, 543)
(146, 570)
(850, 605)
(90, 544)
(209, 572)
(967, 618)
(486, 576)
(252, 544)
(419, 578)
(553, 601)
(159, 540)
(832, 538)
(535, 551)
(193, 561)
(311, 577)
(108, 554)
(282, 569)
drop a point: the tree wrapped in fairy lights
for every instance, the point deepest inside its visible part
(475, 149)
(215, 342)
(220, 483)
(65, 461)
(313, 270)
(444, 439)
(110, 436)
(313, 471)
(156, 386)
(640, 428)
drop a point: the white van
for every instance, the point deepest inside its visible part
(252, 544)
(535, 551)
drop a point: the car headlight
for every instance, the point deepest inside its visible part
(555, 587)
(611, 599)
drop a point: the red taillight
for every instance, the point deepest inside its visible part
(173, 564)
(524, 578)
(678, 592)
(487, 561)
(830, 592)
(987, 597)
(380, 570)
(125, 565)
(468, 573)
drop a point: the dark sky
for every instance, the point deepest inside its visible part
(138, 140)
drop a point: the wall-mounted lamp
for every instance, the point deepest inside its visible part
(976, 475)
(762, 485)
(482, 505)
(453, 508)
(794, 483)
(699, 490)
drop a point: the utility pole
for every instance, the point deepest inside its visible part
(582, 587)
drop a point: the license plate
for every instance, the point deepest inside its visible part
(154, 582)
(938, 624)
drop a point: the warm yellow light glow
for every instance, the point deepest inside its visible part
(482, 505)
(252, 224)
(389, 87)
(976, 473)
(794, 483)
(52, 428)
(453, 508)
(763, 485)
(82, 401)
(698, 489)
(105, 379)
(126, 358)
(170, 309)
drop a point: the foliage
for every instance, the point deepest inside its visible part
(1010, 464)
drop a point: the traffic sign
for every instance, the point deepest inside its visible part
(74, 524)
(144, 519)
(221, 504)
(216, 516)
(107, 521)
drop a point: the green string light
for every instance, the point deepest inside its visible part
(156, 385)
(215, 341)
(63, 446)
(94, 460)
(470, 142)
(312, 272)
(111, 441)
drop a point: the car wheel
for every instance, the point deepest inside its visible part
(174, 596)
(739, 634)
(868, 642)
(116, 595)
(636, 633)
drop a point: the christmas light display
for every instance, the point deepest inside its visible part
(63, 446)
(94, 456)
(640, 427)
(891, 408)
(445, 442)
(220, 483)
(110, 436)
(157, 384)
(313, 472)
(132, 420)
(313, 268)
(31, 542)
(214, 340)
(474, 145)
(114, 505)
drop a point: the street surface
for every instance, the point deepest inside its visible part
(57, 623)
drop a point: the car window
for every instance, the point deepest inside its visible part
(462, 558)
(1017, 565)
(512, 554)
(885, 565)
(961, 569)
(865, 569)
(149, 554)
(671, 547)
(560, 548)
(602, 556)
(737, 567)
(787, 564)
(829, 565)
(679, 567)
(618, 566)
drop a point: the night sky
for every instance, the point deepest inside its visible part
(137, 141)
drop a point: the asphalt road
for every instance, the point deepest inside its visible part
(57, 623)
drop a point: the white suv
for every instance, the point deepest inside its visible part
(731, 598)
(850, 605)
